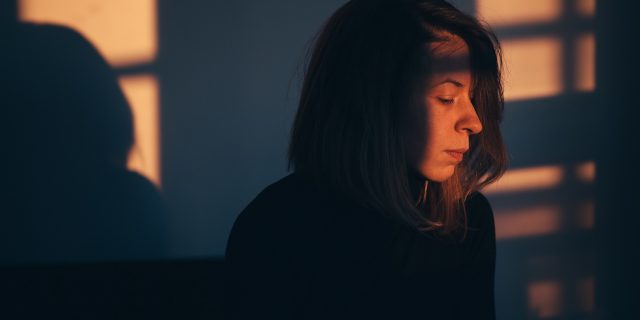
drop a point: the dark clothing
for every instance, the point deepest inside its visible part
(298, 253)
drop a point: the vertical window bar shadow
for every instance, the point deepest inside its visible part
(573, 25)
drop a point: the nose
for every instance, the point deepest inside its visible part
(469, 121)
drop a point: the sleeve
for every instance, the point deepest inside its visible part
(478, 301)
(260, 281)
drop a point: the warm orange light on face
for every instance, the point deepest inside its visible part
(545, 299)
(509, 12)
(585, 62)
(123, 31)
(533, 68)
(527, 222)
(142, 94)
(527, 179)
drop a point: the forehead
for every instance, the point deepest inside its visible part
(449, 54)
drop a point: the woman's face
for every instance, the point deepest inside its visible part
(439, 124)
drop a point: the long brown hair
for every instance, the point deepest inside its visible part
(361, 77)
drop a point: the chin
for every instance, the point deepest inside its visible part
(439, 175)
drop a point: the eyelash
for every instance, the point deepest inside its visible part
(446, 101)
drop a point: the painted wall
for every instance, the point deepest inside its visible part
(226, 77)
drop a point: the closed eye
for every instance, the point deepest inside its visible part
(446, 101)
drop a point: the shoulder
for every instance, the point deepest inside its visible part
(277, 199)
(272, 217)
(480, 218)
(480, 241)
(478, 200)
(479, 210)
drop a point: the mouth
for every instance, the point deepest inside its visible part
(456, 154)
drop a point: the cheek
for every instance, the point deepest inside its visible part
(431, 162)
(434, 132)
(425, 135)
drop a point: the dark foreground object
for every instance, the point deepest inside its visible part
(182, 289)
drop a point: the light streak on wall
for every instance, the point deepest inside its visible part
(585, 294)
(586, 172)
(586, 8)
(527, 222)
(586, 215)
(533, 68)
(585, 63)
(534, 178)
(545, 299)
(123, 31)
(142, 93)
(509, 12)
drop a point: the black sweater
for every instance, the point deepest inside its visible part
(297, 253)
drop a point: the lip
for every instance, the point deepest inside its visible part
(456, 153)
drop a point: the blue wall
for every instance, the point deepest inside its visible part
(229, 74)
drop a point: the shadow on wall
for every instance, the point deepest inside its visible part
(74, 199)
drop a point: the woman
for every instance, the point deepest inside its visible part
(397, 130)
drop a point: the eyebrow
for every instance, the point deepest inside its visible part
(449, 80)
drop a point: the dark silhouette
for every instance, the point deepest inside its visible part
(72, 198)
